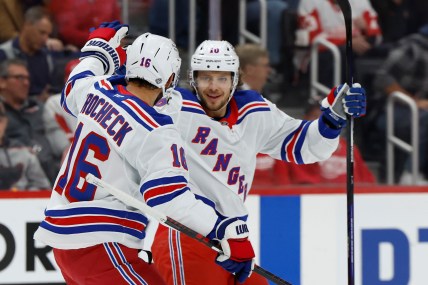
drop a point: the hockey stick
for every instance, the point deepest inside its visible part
(345, 6)
(163, 219)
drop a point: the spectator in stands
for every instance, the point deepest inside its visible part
(405, 70)
(12, 20)
(31, 45)
(324, 19)
(256, 71)
(25, 114)
(332, 170)
(255, 66)
(74, 18)
(59, 125)
(275, 28)
(19, 167)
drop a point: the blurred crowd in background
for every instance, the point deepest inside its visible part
(40, 43)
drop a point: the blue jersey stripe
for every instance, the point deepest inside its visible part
(97, 211)
(259, 109)
(71, 81)
(192, 110)
(162, 181)
(151, 113)
(300, 141)
(287, 140)
(166, 198)
(93, 228)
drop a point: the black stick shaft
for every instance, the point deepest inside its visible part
(161, 218)
(347, 15)
(197, 236)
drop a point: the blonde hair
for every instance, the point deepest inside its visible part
(249, 54)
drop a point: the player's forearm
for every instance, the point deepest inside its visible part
(190, 212)
(317, 147)
(90, 66)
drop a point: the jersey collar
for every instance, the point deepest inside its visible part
(231, 116)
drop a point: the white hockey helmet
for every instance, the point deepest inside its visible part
(215, 56)
(153, 58)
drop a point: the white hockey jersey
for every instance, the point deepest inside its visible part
(125, 142)
(221, 155)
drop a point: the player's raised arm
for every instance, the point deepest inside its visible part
(104, 44)
(101, 55)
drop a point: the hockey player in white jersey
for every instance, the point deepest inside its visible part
(224, 130)
(121, 139)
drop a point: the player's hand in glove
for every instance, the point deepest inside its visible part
(104, 44)
(238, 254)
(343, 100)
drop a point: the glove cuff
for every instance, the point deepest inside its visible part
(328, 126)
(112, 58)
(232, 228)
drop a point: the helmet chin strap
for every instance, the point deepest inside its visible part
(231, 94)
(167, 92)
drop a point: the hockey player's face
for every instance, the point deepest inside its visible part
(214, 89)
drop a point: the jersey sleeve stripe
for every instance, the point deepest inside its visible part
(90, 219)
(69, 87)
(299, 144)
(250, 108)
(192, 104)
(137, 109)
(164, 197)
(96, 211)
(192, 107)
(162, 181)
(289, 149)
(252, 111)
(86, 220)
(162, 190)
(92, 228)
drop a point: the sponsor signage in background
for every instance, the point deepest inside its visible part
(299, 237)
(23, 260)
(304, 237)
